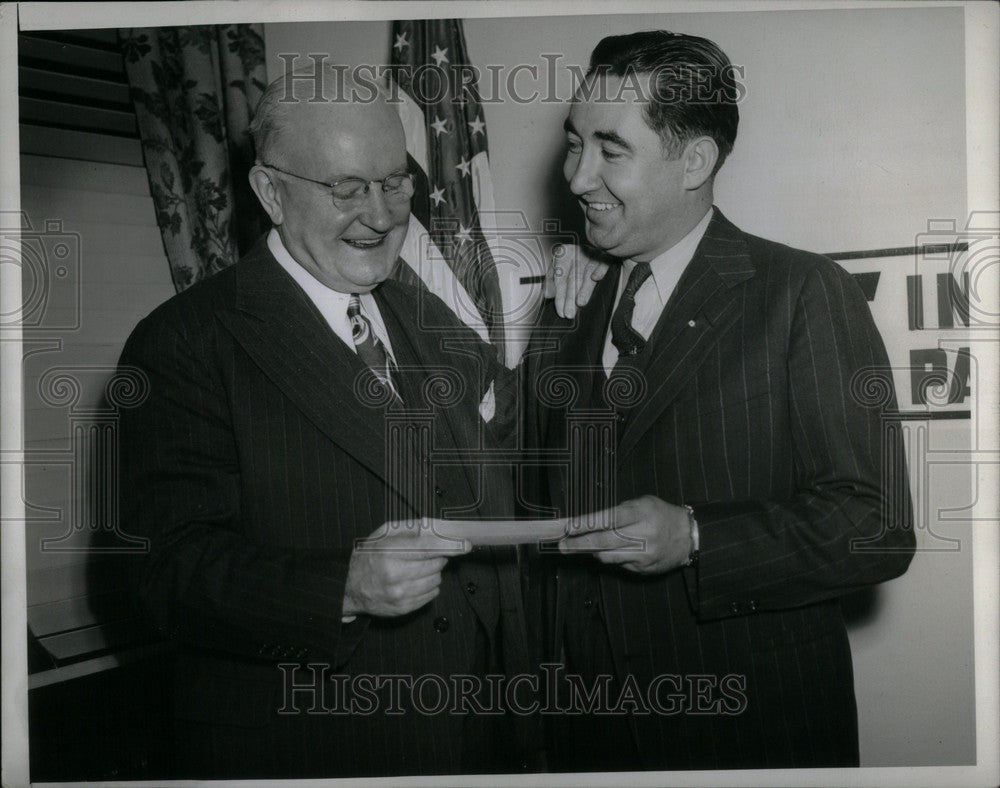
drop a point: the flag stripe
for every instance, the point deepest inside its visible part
(420, 205)
(447, 144)
(413, 120)
(428, 264)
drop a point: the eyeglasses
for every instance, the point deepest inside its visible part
(350, 193)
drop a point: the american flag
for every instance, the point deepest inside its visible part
(446, 144)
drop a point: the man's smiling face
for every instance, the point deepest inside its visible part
(631, 193)
(350, 251)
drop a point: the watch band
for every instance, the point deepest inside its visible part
(695, 537)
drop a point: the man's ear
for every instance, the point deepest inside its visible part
(700, 157)
(266, 189)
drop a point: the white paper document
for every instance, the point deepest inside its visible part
(499, 532)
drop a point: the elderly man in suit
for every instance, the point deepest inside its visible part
(317, 624)
(734, 482)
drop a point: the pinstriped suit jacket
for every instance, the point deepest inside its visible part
(252, 467)
(749, 409)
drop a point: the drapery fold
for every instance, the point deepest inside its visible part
(194, 90)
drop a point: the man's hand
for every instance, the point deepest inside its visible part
(573, 272)
(647, 536)
(397, 569)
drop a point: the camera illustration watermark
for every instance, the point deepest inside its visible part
(82, 473)
(50, 261)
(967, 256)
(501, 256)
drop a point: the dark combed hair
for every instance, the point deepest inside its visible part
(694, 87)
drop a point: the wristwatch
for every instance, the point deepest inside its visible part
(695, 541)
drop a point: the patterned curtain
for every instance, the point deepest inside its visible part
(195, 90)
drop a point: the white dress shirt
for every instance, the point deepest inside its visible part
(330, 303)
(652, 296)
(333, 306)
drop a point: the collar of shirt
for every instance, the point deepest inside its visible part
(650, 299)
(666, 268)
(332, 304)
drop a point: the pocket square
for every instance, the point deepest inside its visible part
(488, 405)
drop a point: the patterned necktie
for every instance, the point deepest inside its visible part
(623, 336)
(369, 348)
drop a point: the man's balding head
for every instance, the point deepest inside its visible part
(312, 132)
(298, 95)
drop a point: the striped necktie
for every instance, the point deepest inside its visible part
(368, 346)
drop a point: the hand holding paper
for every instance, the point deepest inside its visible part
(397, 569)
(646, 535)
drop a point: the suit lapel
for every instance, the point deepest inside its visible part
(704, 305)
(578, 352)
(280, 328)
(575, 351)
(417, 351)
(585, 344)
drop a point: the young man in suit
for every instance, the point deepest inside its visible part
(746, 480)
(317, 624)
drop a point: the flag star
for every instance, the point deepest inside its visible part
(477, 126)
(401, 42)
(464, 166)
(440, 56)
(463, 234)
(439, 126)
(438, 196)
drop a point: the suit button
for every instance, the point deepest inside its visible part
(588, 603)
(752, 605)
(441, 624)
(438, 491)
(471, 587)
(735, 607)
(619, 417)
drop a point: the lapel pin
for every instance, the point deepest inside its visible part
(691, 323)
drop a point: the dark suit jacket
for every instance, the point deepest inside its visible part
(252, 467)
(751, 403)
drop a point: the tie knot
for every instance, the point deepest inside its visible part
(361, 329)
(354, 305)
